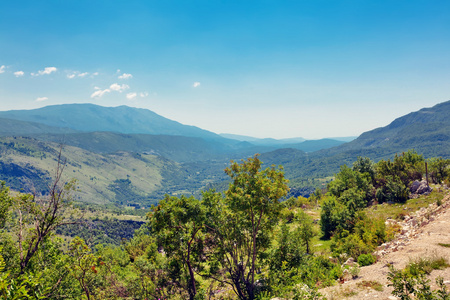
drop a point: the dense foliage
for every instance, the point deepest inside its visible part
(248, 242)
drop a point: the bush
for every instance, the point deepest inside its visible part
(334, 215)
(394, 191)
(407, 285)
(366, 260)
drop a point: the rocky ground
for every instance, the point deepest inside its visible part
(420, 237)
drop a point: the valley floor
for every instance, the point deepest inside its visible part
(420, 239)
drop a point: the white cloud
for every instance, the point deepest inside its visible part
(18, 73)
(144, 94)
(40, 99)
(2, 69)
(77, 74)
(119, 88)
(131, 96)
(196, 84)
(46, 71)
(115, 87)
(125, 76)
(95, 74)
(99, 93)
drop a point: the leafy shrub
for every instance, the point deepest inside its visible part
(407, 285)
(334, 215)
(366, 259)
(366, 235)
(393, 190)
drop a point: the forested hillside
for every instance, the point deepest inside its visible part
(427, 131)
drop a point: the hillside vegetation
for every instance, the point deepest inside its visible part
(243, 243)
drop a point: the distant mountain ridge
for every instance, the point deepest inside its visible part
(426, 130)
(121, 119)
(103, 129)
(263, 141)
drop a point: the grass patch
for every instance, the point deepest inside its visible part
(370, 284)
(399, 211)
(348, 293)
(444, 245)
(424, 265)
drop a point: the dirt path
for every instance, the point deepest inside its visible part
(420, 237)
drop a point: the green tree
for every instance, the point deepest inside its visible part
(365, 165)
(352, 188)
(37, 217)
(334, 215)
(439, 169)
(241, 223)
(84, 267)
(178, 223)
(5, 204)
(305, 229)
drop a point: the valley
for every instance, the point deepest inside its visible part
(170, 209)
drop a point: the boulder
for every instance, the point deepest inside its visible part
(420, 187)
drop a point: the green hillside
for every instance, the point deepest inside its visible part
(9, 127)
(427, 131)
(123, 178)
(177, 148)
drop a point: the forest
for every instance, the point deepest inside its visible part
(249, 242)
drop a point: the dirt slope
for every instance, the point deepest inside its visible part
(420, 237)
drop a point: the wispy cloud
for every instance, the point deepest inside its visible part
(119, 88)
(125, 76)
(95, 74)
(40, 99)
(115, 87)
(196, 84)
(131, 96)
(143, 94)
(46, 71)
(77, 74)
(19, 73)
(2, 69)
(99, 92)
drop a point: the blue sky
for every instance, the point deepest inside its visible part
(261, 68)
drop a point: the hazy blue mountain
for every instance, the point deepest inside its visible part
(344, 138)
(296, 143)
(264, 141)
(110, 129)
(122, 119)
(314, 145)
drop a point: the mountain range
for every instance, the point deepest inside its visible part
(128, 155)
